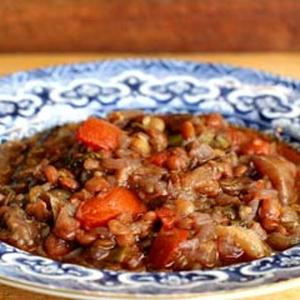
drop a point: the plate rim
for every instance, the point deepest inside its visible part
(284, 79)
(234, 294)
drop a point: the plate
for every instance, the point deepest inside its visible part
(34, 100)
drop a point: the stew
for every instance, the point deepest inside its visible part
(150, 192)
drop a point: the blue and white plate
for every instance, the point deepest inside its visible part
(35, 100)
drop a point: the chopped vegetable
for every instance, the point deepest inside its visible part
(246, 239)
(159, 159)
(257, 146)
(120, 254)
(165, 246)
(167, 217)
(188, 130)
(207, 137)
(280, 241)
(175, 140)
(99, 134)
(221, 141)
(281, 173)
(269, 213)
(99, 210)
(237, 137)
(199, 177)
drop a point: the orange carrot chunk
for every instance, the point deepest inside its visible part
(159, 159)
(165, 246)
(99, 134)
(167, 217)
(257, 146)
(238, 137)
(99, 210)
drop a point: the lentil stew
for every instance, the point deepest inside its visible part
(150, 192)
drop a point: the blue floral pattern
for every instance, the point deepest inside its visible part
(35, 100)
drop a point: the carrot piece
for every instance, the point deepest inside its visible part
(167, 217)
(237, 137)
(159, 159)
(164, 247)
(249, 142)
(99, 134)
(257, 146)
(99, 210)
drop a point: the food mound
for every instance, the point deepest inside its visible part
(150, 192)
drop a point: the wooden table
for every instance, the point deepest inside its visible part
(149, 26)
(283, 63)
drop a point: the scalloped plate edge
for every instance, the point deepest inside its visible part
(242, 293)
